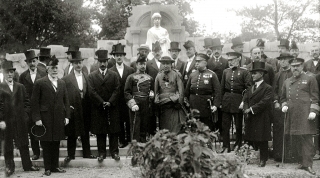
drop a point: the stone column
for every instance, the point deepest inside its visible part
(135, 33)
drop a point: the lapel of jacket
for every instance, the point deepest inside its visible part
(191, 66)
(261, 86)
(28, 76)
(98, 75)
(49, 84)
(73, 80)
(179, 64)
(106, 77)
(15, 88)
(125, 71)
(154, 64)
(85, 83)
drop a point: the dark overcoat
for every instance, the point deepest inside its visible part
(66, 70)
(25, 79)
(17, 123)
(104, 89)
(51, 107)
(6, 110)
(218, 67)
(179, 66)
(269, 76)
(79, 119)
(258, 123)
(152, 69)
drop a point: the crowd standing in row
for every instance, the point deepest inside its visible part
(132, 102)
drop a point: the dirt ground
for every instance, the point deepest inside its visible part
(126, 171)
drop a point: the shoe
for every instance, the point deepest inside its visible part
(47, 173)
(310, 170)
(58, 170)
(35, 157)
(32, 168)
(116, 157)
(68, 159)
(100, 158)
(90, 157)
(262, 164)
(9, 172)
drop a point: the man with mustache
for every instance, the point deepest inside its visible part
(237, 46)
(69, 68)
(138, 93)
(283, 47)
(265, 58)
(190, 65)
(123, 72)
(299, 99)
(294, 50)
(313, 64)
(44, 58)
(28, 78)
(2, 60)
(174, 52)
(105, 88)
(142, 50)
(169, 97)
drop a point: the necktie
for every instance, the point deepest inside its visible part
(254, 87)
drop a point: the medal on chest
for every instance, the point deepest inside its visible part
(206, 81)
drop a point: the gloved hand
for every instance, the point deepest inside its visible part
(241, 105)
(135, 108)
(276, 105)
(39, 123)
(213, 108)
(2, 125)
(66, 121)
(151, 94)
(285, 109)
(312, 116)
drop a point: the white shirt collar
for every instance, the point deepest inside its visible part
(9, 83)
(119, 66)
(52, 79)
(191, 59)
(33, 72)
(103, 71)
(258, 83)
(76, 73)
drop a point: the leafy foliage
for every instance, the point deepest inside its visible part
(189, 153)
(246, 154)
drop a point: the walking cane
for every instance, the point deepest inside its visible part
(133, 125)
(283, 137)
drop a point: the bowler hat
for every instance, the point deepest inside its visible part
(7, 65)
(233, 55)
(119, 49)
(72, 49)
(142, 58)
(143, 46)
(208, 43)
(284, 42)
(76, 56)
(236, 42)
(45, 52)
(30, 54)
(156, 46)
(174, 46)
(102, 55)
(188, 44)
(293, 45)
(53, 61)
(202, 57)
(258, 66)
(260, 43)
(296, 61)
(285, 56)
(216, 42)
(166, 59)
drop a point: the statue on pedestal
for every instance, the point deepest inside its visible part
(157, 33)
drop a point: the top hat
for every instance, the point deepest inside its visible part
(53, 61)
(102, 55)
(285, 56)
(284, 42)
(202, 57)
(112, 49)
(174, 46)
(142, 58)
(233, 55)
(293, 45)
(236, 42)
(260, 43)
(7, 65)
(119, 49)
(45, 52)
(216, 42)
(258, 66)
(166, 59)
(72, 49)
(30, 54)
(143, 46)
(208, 43)
(156, 46)
(296, 61)
(188, 44)
(76, 56)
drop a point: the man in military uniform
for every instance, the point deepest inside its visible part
(237, 46)
(174, 52)
(138, 93)
(300, 97)
(190, 65)
(271, 61)
(203, 91)
(313, 64)
(235, 80)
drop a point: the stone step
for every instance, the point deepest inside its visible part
(93, 143)
(78, 162)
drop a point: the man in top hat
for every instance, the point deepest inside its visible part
(50, 109)
(112, 61)
(138, 93)
(216, 63)
(203, 91)
(174, 53)
(313, 64)
(278, 116)
(28, 78)
(169, 97)
(77, 85)
(190, 65)
(235, 80)
(294, 50)
(105, 88)
(69, 68)
(153, 66)
(142, 50)
(2, 60)
(265, 58)
(300, 98)
(257, 109)
(17, 121)
(283, 47)
(237, 46)
(123, 71)
(44, 58)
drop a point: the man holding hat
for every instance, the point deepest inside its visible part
(300, 98)
(174, 53)
(203, 91)
(313, 64)
(50, 110)
(257, 109)
(138, 93)
(44, 58)
(237, 46)
(123, 72)
(169, 96)
(28, 78)
(69, 68)
(77, 85)
(105, 88)
(16, 121)
(265, 58)
(2, 60)
(235, 80)
(142, 50)
(190, 65)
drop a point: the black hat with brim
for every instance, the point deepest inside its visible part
(76, 56)
(30, 55)
(102, 55)
(7, 65)
(259, 66)
(174, 46)
(236, 42)
(45, 52)
(72, 49)
(285, 56)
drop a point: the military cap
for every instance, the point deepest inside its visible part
(236, 42)
(76, 56)
(285, 56)
(30, 54)
(260, 43)
(296, 61)
(156, 46)
(45, 52)
(143, 46)
(142, 58)
(166, 59)
(174, 46)
(293, 45)
(258, 66)
(188, 44)
(53, 61)
(208, 43)
(7, 65)
(72, 49)
(119, 49)
(202, 57)
(284, 42)
(102, 55)
(233, 55)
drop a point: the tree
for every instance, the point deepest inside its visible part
(32, 24)
(113, 17)
(282, 18)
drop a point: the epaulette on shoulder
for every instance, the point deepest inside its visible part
(243, 68)
(210, 70)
